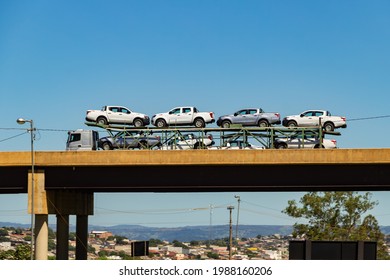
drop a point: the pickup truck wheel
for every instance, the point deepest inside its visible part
(318, 146)
(143, 145)
(225, 124)
(263, 123)
(292, 124)
(161, 123)
(106, 146)
(138, 123)
(281, 146)
(199, 123)
(199, 146)
(329, 126)
(101, 121)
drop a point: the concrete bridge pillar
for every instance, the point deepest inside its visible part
(41, 237)
(62, 203)
(81, 237)
(62, 249)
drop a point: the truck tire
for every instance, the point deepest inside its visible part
(143, 145)
(226, 124)
(106, 146)
(281, 146)
(102, 121)
(138, 123)
(292, 124)
(329, 126)
(161, 123)
(199, 123)
(318, 146)
(263, 123)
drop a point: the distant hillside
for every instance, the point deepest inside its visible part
(185, 234)
(189, 233)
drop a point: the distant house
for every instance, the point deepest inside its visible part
(100, 234)
(5, 246)
(178, 250)
(273, 254)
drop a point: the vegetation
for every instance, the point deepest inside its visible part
(212, 255)
(176, 243)
(337, 216)
(155, 242)
(21, 252)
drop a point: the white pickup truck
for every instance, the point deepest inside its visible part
(315, 118)
(180, 116)
(117, 115)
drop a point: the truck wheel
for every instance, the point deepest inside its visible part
(263, 123)
(318, 146)
(292, 124)
(138, 123)
(161, 123)
(225, 124)
(199, 146)
(106, 146)
(199, 123)
(143, 145)
(329, 126)
(101, 121)
(281, 146)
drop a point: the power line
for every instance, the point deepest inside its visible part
(9, 138)
(369, 118)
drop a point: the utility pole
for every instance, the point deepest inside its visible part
(238, 215)
(211, 224)
(230, 208)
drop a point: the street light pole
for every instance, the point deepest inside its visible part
(32, 129)
(230, 208)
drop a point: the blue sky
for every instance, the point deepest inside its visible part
(61, 58)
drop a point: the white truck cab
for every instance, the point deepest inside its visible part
(82, 140)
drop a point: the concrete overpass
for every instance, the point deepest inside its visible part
(66, 181)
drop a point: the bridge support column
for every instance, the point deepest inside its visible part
(62, 203)
(41, 237)
(62, 250)
(81, 237)
(65, 203)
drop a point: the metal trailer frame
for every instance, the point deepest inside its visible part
(265, 136)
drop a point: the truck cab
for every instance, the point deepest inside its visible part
(82, 140)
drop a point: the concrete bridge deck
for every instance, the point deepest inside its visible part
(201, 170)
(197, 157)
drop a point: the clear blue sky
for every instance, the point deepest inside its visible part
(61, 58)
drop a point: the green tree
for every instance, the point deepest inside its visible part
(21, 252)
(337, 216)
(103, 254)
(72, 236)
(18, 231)
(4, 239)
(120, 240)
(177, 243)
(51, 245)
(154, 242)
(195, 243)
(212, 255)
(51, 234)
